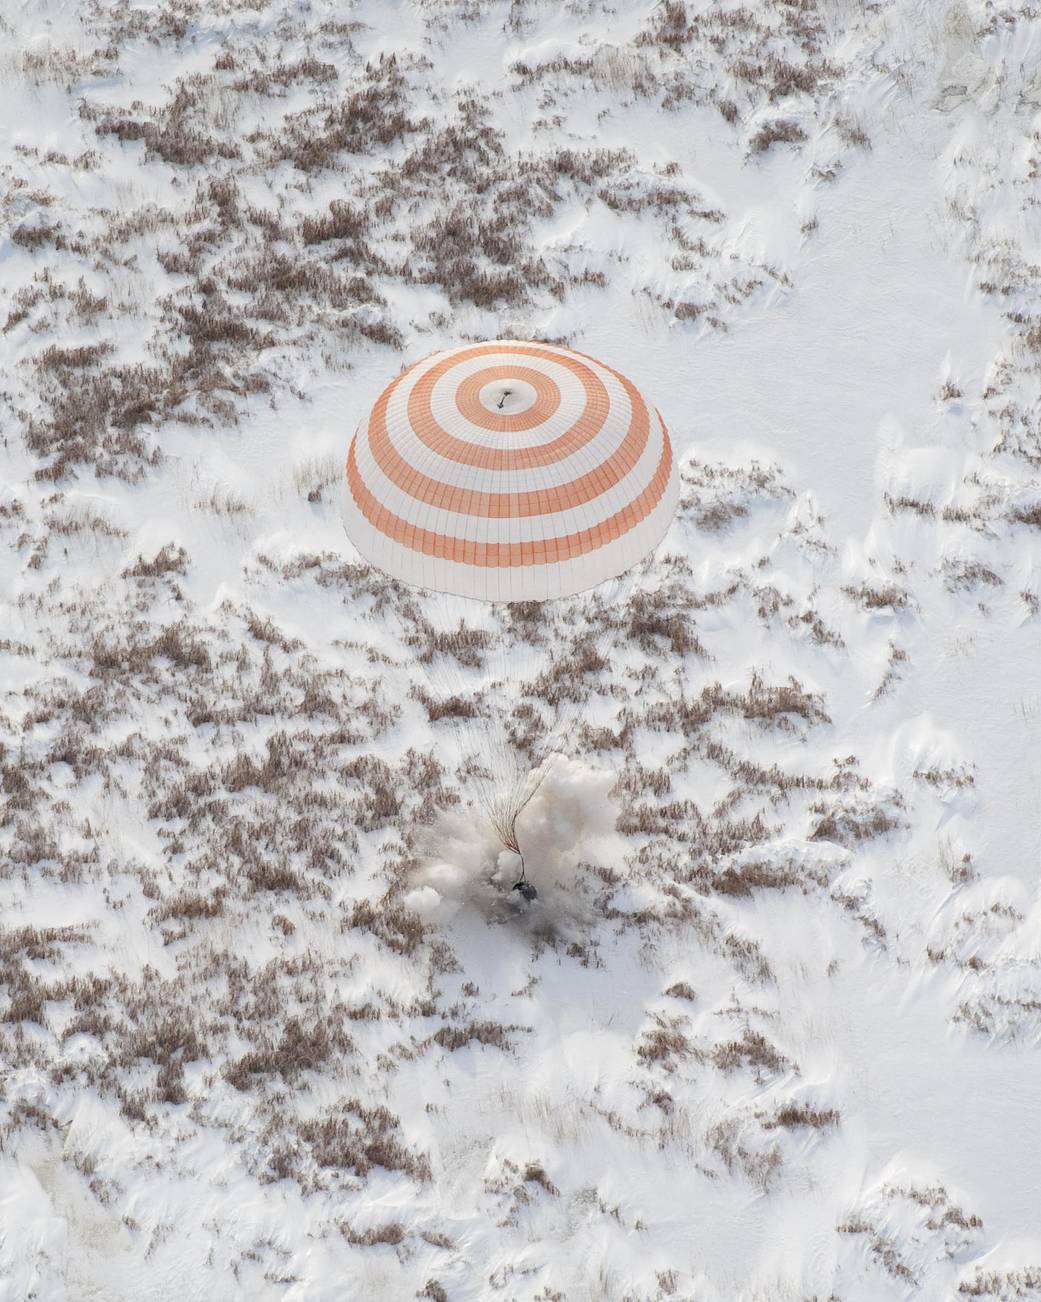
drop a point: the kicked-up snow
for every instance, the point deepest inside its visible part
(273, 1024)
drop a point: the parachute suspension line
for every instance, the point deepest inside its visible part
(502, 775)
(503, 778)
(508, 805)
(497, 776)
(522, 886)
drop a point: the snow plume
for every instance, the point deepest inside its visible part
(464, 870)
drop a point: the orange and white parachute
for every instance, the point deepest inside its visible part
(507, 472)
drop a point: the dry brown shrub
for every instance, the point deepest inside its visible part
(22, 1113)
(357, 1138)
(176, 132)
(261, 81)
(464, 644)
(535, 1173)
(37, 943)
(435, 1291)
(279, 766)
(791, 1115)
(753, 1050)
(54, 358)
(757, 1165)
(27, 1000)
(169, 1037)
(392, 1233)
(673, 819)
(654, 619)
(367, 120)
(1003, 1284)
(458, 1037)
(767, 702)
(169, 559)
(764, 702)
(601, 739)
(564, 680)
(905, 503)
(300, 1049)
(854, 135)
(742, 880)
(781, 78)
(275, 875)
(670, 26)
(783, 131)
(450, 707)
(381, 802)
(33, 236)
(663, 1044)
(93, 418)
(189, 905)
(341, 222)
(848, 825)
(962, 574)
(878, 598)
(382, 332)
(560, 64)
(398, 927)
(266, 630)
(635, 780)
(681, 990)
(177, 643)
(526, 618)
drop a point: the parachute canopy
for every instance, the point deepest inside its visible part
(509, 471)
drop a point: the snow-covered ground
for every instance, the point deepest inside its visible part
(271, 1026)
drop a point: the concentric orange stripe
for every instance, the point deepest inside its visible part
(545, 405)
(429, 431)
(540, 501)
(544, 551)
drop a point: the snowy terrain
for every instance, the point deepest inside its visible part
(270, 1024)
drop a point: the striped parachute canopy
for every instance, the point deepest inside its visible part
(509, 471)
(504, 479)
